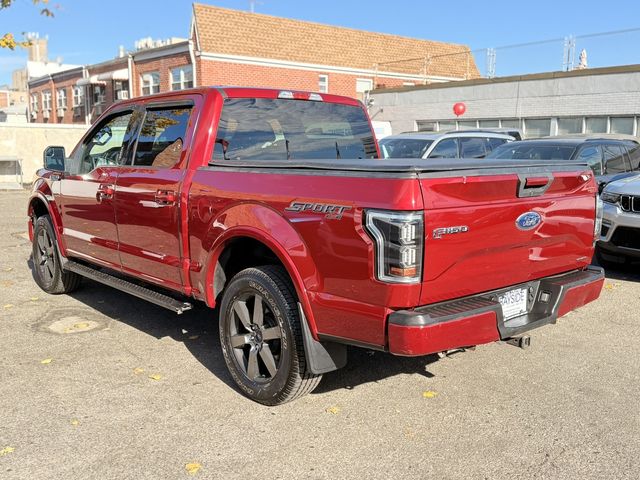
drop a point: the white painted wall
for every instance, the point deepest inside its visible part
(601, 94)
(28, 141)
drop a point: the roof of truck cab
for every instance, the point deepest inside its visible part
(239, 92)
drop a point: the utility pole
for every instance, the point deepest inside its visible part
(252, 5)
(491, 62)
(569, 54)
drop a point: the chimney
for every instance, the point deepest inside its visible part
(121, 52)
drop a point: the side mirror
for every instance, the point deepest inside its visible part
(53, 158)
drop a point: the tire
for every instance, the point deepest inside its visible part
(47, 269)
(263, 346)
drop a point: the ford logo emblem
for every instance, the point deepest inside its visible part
(528, 220)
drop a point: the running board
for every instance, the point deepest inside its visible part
(131, 288)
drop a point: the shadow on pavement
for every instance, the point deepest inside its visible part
(197, 329)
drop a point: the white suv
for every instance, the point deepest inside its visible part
(456, 144)
(620, 235)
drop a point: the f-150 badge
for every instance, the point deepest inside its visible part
(442, 231)
(330, 211)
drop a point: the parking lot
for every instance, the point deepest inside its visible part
(100, 385)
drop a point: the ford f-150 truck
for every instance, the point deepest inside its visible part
(274, 207)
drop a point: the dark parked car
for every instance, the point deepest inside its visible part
(610, 159)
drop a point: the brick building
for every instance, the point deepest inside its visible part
(230, 47)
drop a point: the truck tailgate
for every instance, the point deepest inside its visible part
(486, 229)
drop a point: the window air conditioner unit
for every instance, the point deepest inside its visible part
(45, 114)
(123, 95)
(34, 114)
(60, 112)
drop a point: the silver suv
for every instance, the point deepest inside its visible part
(456, 144)
(620, 235)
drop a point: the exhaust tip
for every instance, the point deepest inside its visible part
(521, 342)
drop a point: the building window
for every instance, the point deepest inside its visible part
(120, 90)
(568, 126)
(465, 124)
(98, 94)
(446, 125)
(61, 99)
(78, 96)
(537, 127)
(510, 123)
(489, 123)
(46, 100)
(150, 83)
(596, 125)
(323, 83)
(426, 126)
(34, 102)
(182, 77)
(622, 125)
(363, 85)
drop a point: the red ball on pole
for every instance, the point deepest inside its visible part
(459, 109)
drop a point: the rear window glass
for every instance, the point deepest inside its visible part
(533, 152)
(404, 147)
(279, 129)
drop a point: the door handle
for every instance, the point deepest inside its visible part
(105, 192)
(165, 198)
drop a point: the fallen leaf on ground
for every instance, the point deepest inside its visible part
(9, 305)
(192, 468)
(333, 410)
(6, 450)
(609, 286)
(193, 337)
(155, 376)
(75, 422)
(6, 283)
(138, 370)
(34, 299)
(429, 394)
(81, 325)
(46, 361)
(8, 269)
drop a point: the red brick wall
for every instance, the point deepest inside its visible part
(68, 116)
(4, 99)
(161, 65)
(211, 72)
(108, 92)
(38, 90)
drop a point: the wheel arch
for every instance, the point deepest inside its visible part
(265, 230)
(42, 203)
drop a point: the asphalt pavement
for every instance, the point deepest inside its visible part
(101, 385)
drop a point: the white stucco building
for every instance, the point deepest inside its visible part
(598, 100)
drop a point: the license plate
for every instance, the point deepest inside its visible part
(514, 302)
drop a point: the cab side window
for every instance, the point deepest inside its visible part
(591, 155)
(447, 148)
(161, 138)
(614, 161)
(104, 147)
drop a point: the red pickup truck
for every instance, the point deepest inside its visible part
(274, 207)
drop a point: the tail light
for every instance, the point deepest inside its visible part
(399, 240)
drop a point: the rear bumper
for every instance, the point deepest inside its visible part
(478, 319)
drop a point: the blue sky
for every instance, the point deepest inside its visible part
(89, 31)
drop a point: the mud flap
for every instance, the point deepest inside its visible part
(322, 357)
